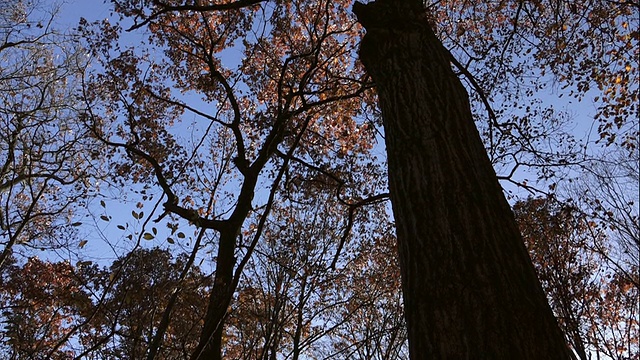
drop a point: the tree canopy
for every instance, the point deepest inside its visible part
(232, 163)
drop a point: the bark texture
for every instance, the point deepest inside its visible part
(469, 287)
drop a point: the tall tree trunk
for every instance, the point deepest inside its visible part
(210, 344)
(470, 290)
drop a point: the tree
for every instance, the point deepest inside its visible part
(579, 281)
(40, 302)
(57, 310)
(47, 161)
(304, 108)
(468, 283)
(146, 282)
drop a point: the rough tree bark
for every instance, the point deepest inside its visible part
(469, 287)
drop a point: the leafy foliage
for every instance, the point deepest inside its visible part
(250, 130)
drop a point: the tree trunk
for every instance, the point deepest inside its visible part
(470, 290)
(210, 344)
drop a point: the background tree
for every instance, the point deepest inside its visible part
(299, 299)
(57, 310)
(605, 193)
(46, 159)
(579, 281)
(40, 302)
(134, 307)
